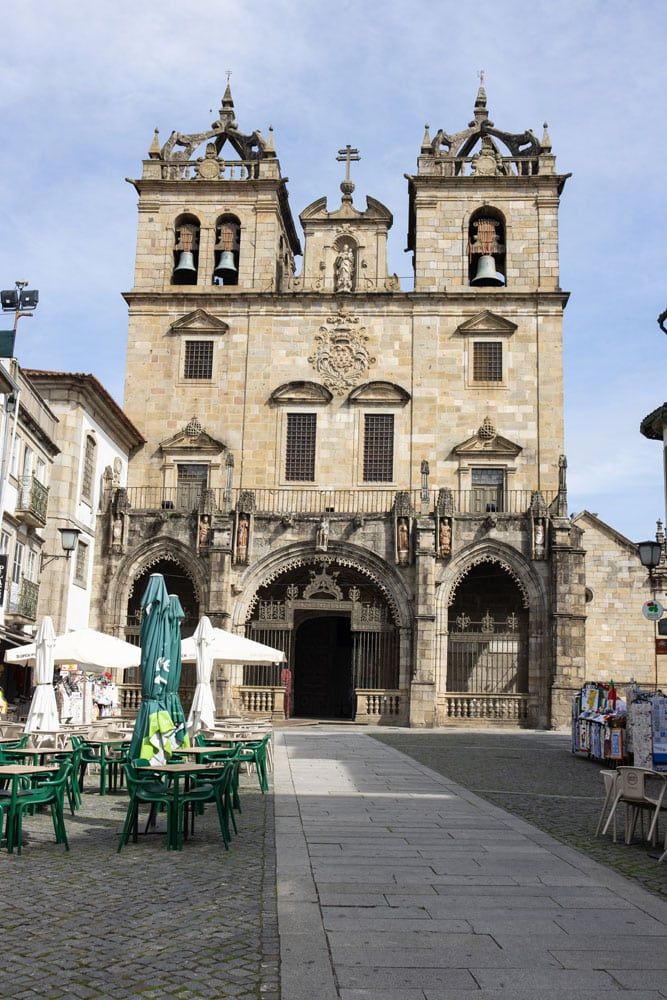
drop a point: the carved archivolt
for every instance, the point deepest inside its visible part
(159, 557)
(341, 357)
(489, 557)
(322, 560)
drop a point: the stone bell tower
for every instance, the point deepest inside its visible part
(214, 227)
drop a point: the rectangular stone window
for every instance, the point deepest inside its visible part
(378, 447)
(192, 481)
(488, 489)
(300, 451)
(487, 361)
(81, 564)
(88, 470)
(198, 359)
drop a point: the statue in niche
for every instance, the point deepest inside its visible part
(539, 538)
(204, 531)
(322, 537)
(242, 533)
(117, 469)
(117, 525)
(403, 541)
(445, 538)
(344, 270)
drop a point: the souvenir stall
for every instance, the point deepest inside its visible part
(599, 720)
(105, 696)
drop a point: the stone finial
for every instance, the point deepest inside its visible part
(546, 139)
(270, 148)
(227, 114)
(426, 141)
(480, 113)
(154, 150)
(487, 431)
(193, 428)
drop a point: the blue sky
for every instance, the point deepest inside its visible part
(83, 85)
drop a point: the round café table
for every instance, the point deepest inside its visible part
(175, 772)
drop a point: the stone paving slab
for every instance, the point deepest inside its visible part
(96, 925)
(417, 889)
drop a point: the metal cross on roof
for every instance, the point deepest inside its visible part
(347, 156)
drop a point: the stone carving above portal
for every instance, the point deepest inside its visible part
(199, 321)
(379, 394)
(341, 356)
(487, 441)
(291, 393)
(323, 583)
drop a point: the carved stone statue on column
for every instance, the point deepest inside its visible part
(403, 541)
(322, 537)
(117, 531)
(539, 539)
(242, 532)
(445, 538)
(204, 531)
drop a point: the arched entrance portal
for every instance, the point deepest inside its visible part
(338, 633)
(178, 583)
(487, 648)
(323, 675)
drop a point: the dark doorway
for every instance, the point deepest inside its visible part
(323, 686)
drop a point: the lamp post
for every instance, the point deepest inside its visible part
(68, 539)
(22, 301)
(650, 554)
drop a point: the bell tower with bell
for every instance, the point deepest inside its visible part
(483, 232)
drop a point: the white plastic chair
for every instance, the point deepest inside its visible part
(610, 779)
(631, 791)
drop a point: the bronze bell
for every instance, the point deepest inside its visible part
(185, 270)
(486, 272)
(225, 267)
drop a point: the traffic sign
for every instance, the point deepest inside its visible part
(653, 610)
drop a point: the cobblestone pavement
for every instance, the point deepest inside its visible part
(534, 776)
(146, 922)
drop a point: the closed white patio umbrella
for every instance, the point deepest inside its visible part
(202, 710)
(225, 647)
(43, 712)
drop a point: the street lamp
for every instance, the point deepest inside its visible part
(22, 301)
(69, 538)
(650, 554)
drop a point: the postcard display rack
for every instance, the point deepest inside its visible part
(599, 724)
(647, 728)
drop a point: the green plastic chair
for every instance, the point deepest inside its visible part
(220, 786)
(45, 792)
(254, 752)
(146, 790)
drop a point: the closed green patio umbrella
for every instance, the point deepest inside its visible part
(173, 701)
(153, 733)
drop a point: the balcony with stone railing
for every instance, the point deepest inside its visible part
(294, 502)
(32, 501)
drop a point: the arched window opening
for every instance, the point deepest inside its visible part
(186, 251)
(488, 635)
(486, 249)
(177, 582)
(345, 264)
(227, 248)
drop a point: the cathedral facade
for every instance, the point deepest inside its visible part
(370, 478)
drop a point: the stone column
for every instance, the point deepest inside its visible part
(568, 618)
(422, 689)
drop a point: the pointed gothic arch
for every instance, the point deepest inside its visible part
(492, 637)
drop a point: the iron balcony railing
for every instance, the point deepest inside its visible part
(32, 500)
(24, 603)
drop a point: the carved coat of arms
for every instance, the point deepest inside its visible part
(341, 356)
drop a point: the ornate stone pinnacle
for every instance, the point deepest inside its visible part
(487, 431)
